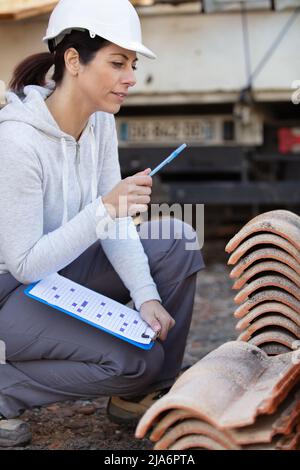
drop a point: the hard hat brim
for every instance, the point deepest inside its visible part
(130, 46)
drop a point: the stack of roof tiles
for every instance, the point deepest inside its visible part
(237, 397)
(266, 255)
(246, 393)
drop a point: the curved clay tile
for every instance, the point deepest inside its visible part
(274, 335)
(196, 442)
(296, 347)
(264, 239)
(194, 426)
(290, 442)
(280, 282)
(168, 421)
(228, 388)
(281, 214)
(265, 253)
(272, 321)
(283, 227)
(273, 349)
(268, 308)
(262, 431)
(290, 416)
(267, 266)
(265, 446)
(268, 296)
(267, 426)
(202, 442)
(175, 417)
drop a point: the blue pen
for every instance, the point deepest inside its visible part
(168, 159)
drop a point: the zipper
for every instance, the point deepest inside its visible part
(77, 160)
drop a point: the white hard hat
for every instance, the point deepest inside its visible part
(114, 20)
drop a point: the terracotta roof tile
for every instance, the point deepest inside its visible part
(290, 442)
(266, 427)
(274, 222)
(270, 321)
(268, 308)
(277, 431)
(178, 423)
(278, 443)
(279, 214)
(196, 441)
(246, 383)
(267, 267)
(274, 335)
(268, 296)
(263, 239)
(195, 426)
(272, 349)
(280, 282)
(264, 253)
(168, 421)
(175, 417)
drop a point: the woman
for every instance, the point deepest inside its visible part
(61, 193)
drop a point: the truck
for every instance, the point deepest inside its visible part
(226, 82)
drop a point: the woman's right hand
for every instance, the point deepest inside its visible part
(130, 196)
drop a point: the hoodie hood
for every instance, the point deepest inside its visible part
(30, 108)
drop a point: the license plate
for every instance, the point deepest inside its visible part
(168, 131)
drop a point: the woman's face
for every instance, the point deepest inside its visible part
(104, 82)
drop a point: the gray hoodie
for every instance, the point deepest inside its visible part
(50, 195)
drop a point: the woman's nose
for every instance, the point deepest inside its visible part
(130, 79)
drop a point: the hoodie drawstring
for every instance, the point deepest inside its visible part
(65, 175)
(65, 180)
(94, 160)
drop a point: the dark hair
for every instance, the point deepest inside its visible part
(33, 69)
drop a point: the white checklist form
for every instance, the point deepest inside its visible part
(91, 307)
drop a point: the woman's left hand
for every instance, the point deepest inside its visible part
(153, 313)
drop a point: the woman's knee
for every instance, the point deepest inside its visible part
(143, 368)
(163, 232)
(173, 241)
(186, 233)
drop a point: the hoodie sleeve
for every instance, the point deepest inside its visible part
(29, 254)
(120, 241)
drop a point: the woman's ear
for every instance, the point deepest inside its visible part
(72, 61)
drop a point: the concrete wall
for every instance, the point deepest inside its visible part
(18, 40)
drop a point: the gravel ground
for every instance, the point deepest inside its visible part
(83, 424)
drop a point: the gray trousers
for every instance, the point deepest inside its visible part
(54, 357)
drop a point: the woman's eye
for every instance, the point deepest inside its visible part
(120, 64)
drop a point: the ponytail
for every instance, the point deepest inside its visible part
(31, 71)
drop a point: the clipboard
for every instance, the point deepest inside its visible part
(93, 308)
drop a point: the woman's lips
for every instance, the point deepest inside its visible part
(120, 96)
